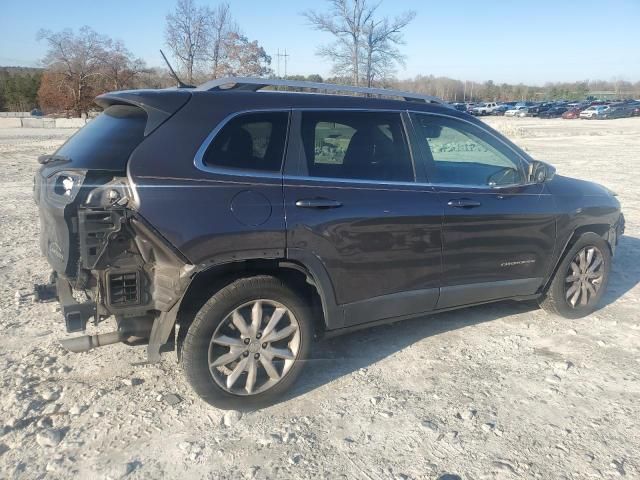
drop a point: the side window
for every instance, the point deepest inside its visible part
(356, 145)
(252, 141)
(460, 153)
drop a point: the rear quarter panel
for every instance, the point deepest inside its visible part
(191, 208)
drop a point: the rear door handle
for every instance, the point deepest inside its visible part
(463, 203)
(318, 203)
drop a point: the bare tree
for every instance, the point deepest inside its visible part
(119, 67)
(382, 38)
(188, 35)
(78, 60)
(222, 27)
(346, 20)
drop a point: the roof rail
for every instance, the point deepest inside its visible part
(255, 84)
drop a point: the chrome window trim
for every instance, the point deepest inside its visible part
(198, 160)
(357, 181)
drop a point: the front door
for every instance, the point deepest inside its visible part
(352, 203)
(498, 229)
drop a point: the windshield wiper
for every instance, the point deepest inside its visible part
(44, 159)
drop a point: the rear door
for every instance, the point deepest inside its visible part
(498, 229)
(353, 207)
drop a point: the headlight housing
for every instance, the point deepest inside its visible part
(63, 186)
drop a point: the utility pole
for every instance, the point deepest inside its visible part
(284, 56)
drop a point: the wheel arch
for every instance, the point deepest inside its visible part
(304, 279)
(600, 229)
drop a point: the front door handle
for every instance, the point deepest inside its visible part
(318, 203)
(463, 203)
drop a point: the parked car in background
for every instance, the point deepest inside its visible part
(36, 112)
(517, 111)
(536, 110)
(592, 112)
(572, 113)
(501, 109)
(461, 107)
(485, 108)
(553, 112)
(622, 110)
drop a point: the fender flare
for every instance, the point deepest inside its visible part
(333, 313)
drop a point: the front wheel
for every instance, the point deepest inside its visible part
(247, 344)
(581, 278)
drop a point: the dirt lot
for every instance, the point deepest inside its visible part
(500, 391)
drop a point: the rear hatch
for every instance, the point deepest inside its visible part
(93, 156)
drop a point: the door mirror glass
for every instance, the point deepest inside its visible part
(540, 172)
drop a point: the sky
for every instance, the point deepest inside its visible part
(528, 41)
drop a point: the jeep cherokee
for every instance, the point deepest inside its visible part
(235, 223)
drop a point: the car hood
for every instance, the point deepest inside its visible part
(567, 186)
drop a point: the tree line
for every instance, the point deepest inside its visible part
(19, 88)
(206, 42)
(464, 91)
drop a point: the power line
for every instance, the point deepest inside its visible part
(285, 56)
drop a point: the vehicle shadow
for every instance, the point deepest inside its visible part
(626, 270)
(336, 357)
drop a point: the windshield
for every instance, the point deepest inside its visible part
(107, 141)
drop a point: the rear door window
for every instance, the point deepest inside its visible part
(356, 145)
(107, 141)
(251, 141)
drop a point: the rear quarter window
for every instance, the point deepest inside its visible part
(107, 141)
(250, 141)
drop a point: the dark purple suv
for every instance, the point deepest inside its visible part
(235, 223)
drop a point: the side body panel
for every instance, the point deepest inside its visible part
(496, 242)
(381, 247)
(501, 248)
(209, 216)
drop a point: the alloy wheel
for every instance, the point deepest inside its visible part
(584, 277)
(254, 347)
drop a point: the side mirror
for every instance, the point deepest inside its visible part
(540, 172)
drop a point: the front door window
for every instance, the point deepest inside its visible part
(459, 153)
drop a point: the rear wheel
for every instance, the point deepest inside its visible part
(247, 344)
(581, 278)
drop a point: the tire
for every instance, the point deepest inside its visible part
(216, 322)
(559, 296)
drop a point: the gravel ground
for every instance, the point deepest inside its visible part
(499, 391)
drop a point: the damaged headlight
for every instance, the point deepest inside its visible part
(64, 186)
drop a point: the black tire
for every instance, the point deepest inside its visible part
(195, 349)
(555, 300)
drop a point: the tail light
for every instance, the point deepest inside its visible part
(63, 186)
